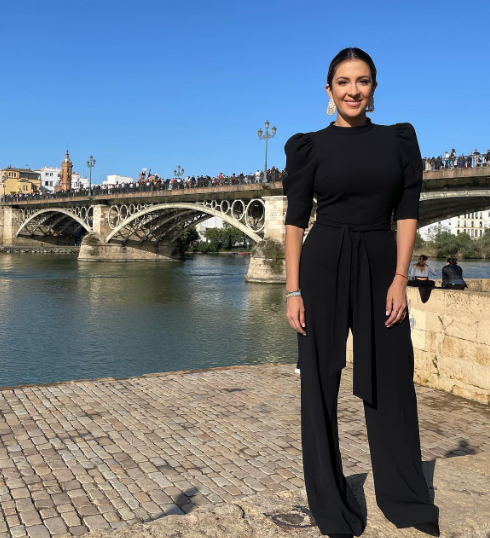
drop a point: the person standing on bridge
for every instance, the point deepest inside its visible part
(350, 272)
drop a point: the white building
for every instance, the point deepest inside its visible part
(116, 179)
(213, 222)
(78, 182)
(473, 224)
(49, 176)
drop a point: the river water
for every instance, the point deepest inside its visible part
(61, 319)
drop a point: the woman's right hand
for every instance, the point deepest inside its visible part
(295, 313)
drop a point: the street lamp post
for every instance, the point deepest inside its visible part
(90, 164)
(179, 171)
(266, 137)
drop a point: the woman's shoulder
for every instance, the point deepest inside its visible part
(299, 139)
(299, 144)
(401, 128)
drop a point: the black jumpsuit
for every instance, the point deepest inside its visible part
(360, 175)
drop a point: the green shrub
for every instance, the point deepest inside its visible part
(273, 253)
(93, 241)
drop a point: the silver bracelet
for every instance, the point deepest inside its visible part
(292, 294)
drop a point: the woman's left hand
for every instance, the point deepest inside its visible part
(396, 302)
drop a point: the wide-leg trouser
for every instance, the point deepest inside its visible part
(392, 423)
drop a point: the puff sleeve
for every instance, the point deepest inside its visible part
(298, 184)
(407, 207)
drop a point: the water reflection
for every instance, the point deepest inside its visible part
(61, 319)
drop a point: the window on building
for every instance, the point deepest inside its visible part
(472, 224)
(458, 232)
(481, 233)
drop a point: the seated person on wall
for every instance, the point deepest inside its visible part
(420, 272)
(452, 275)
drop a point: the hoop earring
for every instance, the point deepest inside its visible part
(331, 107)
(370, 107)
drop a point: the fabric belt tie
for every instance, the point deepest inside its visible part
(353, 286)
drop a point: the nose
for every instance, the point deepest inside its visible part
(354, 91)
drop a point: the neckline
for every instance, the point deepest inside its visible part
(357, 129)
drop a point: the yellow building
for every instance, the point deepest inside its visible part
(19, 181)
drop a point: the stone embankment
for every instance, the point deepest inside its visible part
(39, 249)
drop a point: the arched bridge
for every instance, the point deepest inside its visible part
(152, 221)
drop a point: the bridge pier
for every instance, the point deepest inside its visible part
(262, 267)
(95, 248)
(8, 226)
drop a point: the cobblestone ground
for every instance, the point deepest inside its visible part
(100, 454)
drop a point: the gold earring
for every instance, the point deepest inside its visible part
(331, 107)
(370, 107)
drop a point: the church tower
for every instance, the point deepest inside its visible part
(66, 172)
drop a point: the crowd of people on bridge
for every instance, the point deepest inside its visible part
(452, 160)
(151, 182)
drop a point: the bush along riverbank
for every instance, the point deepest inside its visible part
(444, 244)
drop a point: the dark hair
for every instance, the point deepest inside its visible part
(350, 53)
(421, 266)
(452, 261)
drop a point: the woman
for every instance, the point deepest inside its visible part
(350, 272)
(420, 273)
(452, 275)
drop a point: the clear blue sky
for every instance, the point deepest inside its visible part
(157, 83)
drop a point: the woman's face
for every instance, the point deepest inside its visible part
(352, 88)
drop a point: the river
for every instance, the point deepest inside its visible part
(61, 319)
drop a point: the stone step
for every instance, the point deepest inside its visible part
(461, 486)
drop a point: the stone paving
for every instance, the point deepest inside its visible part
(102, 454)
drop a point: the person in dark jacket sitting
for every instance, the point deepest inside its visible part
(452, 275)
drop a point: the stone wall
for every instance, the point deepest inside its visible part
(259, 270)
(95, 249)
(451, 339)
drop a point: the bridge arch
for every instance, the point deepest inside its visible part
(35, 219)
(191, 207)
(443, 204)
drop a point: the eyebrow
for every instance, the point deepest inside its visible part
(362, 76)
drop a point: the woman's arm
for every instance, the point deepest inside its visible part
(299, 188)
(293, 245)
(396, 297)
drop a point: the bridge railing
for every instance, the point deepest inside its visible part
(133, 188)
(473, 160)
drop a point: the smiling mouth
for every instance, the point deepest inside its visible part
(353, 103)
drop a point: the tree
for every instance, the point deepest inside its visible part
(419, 242)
